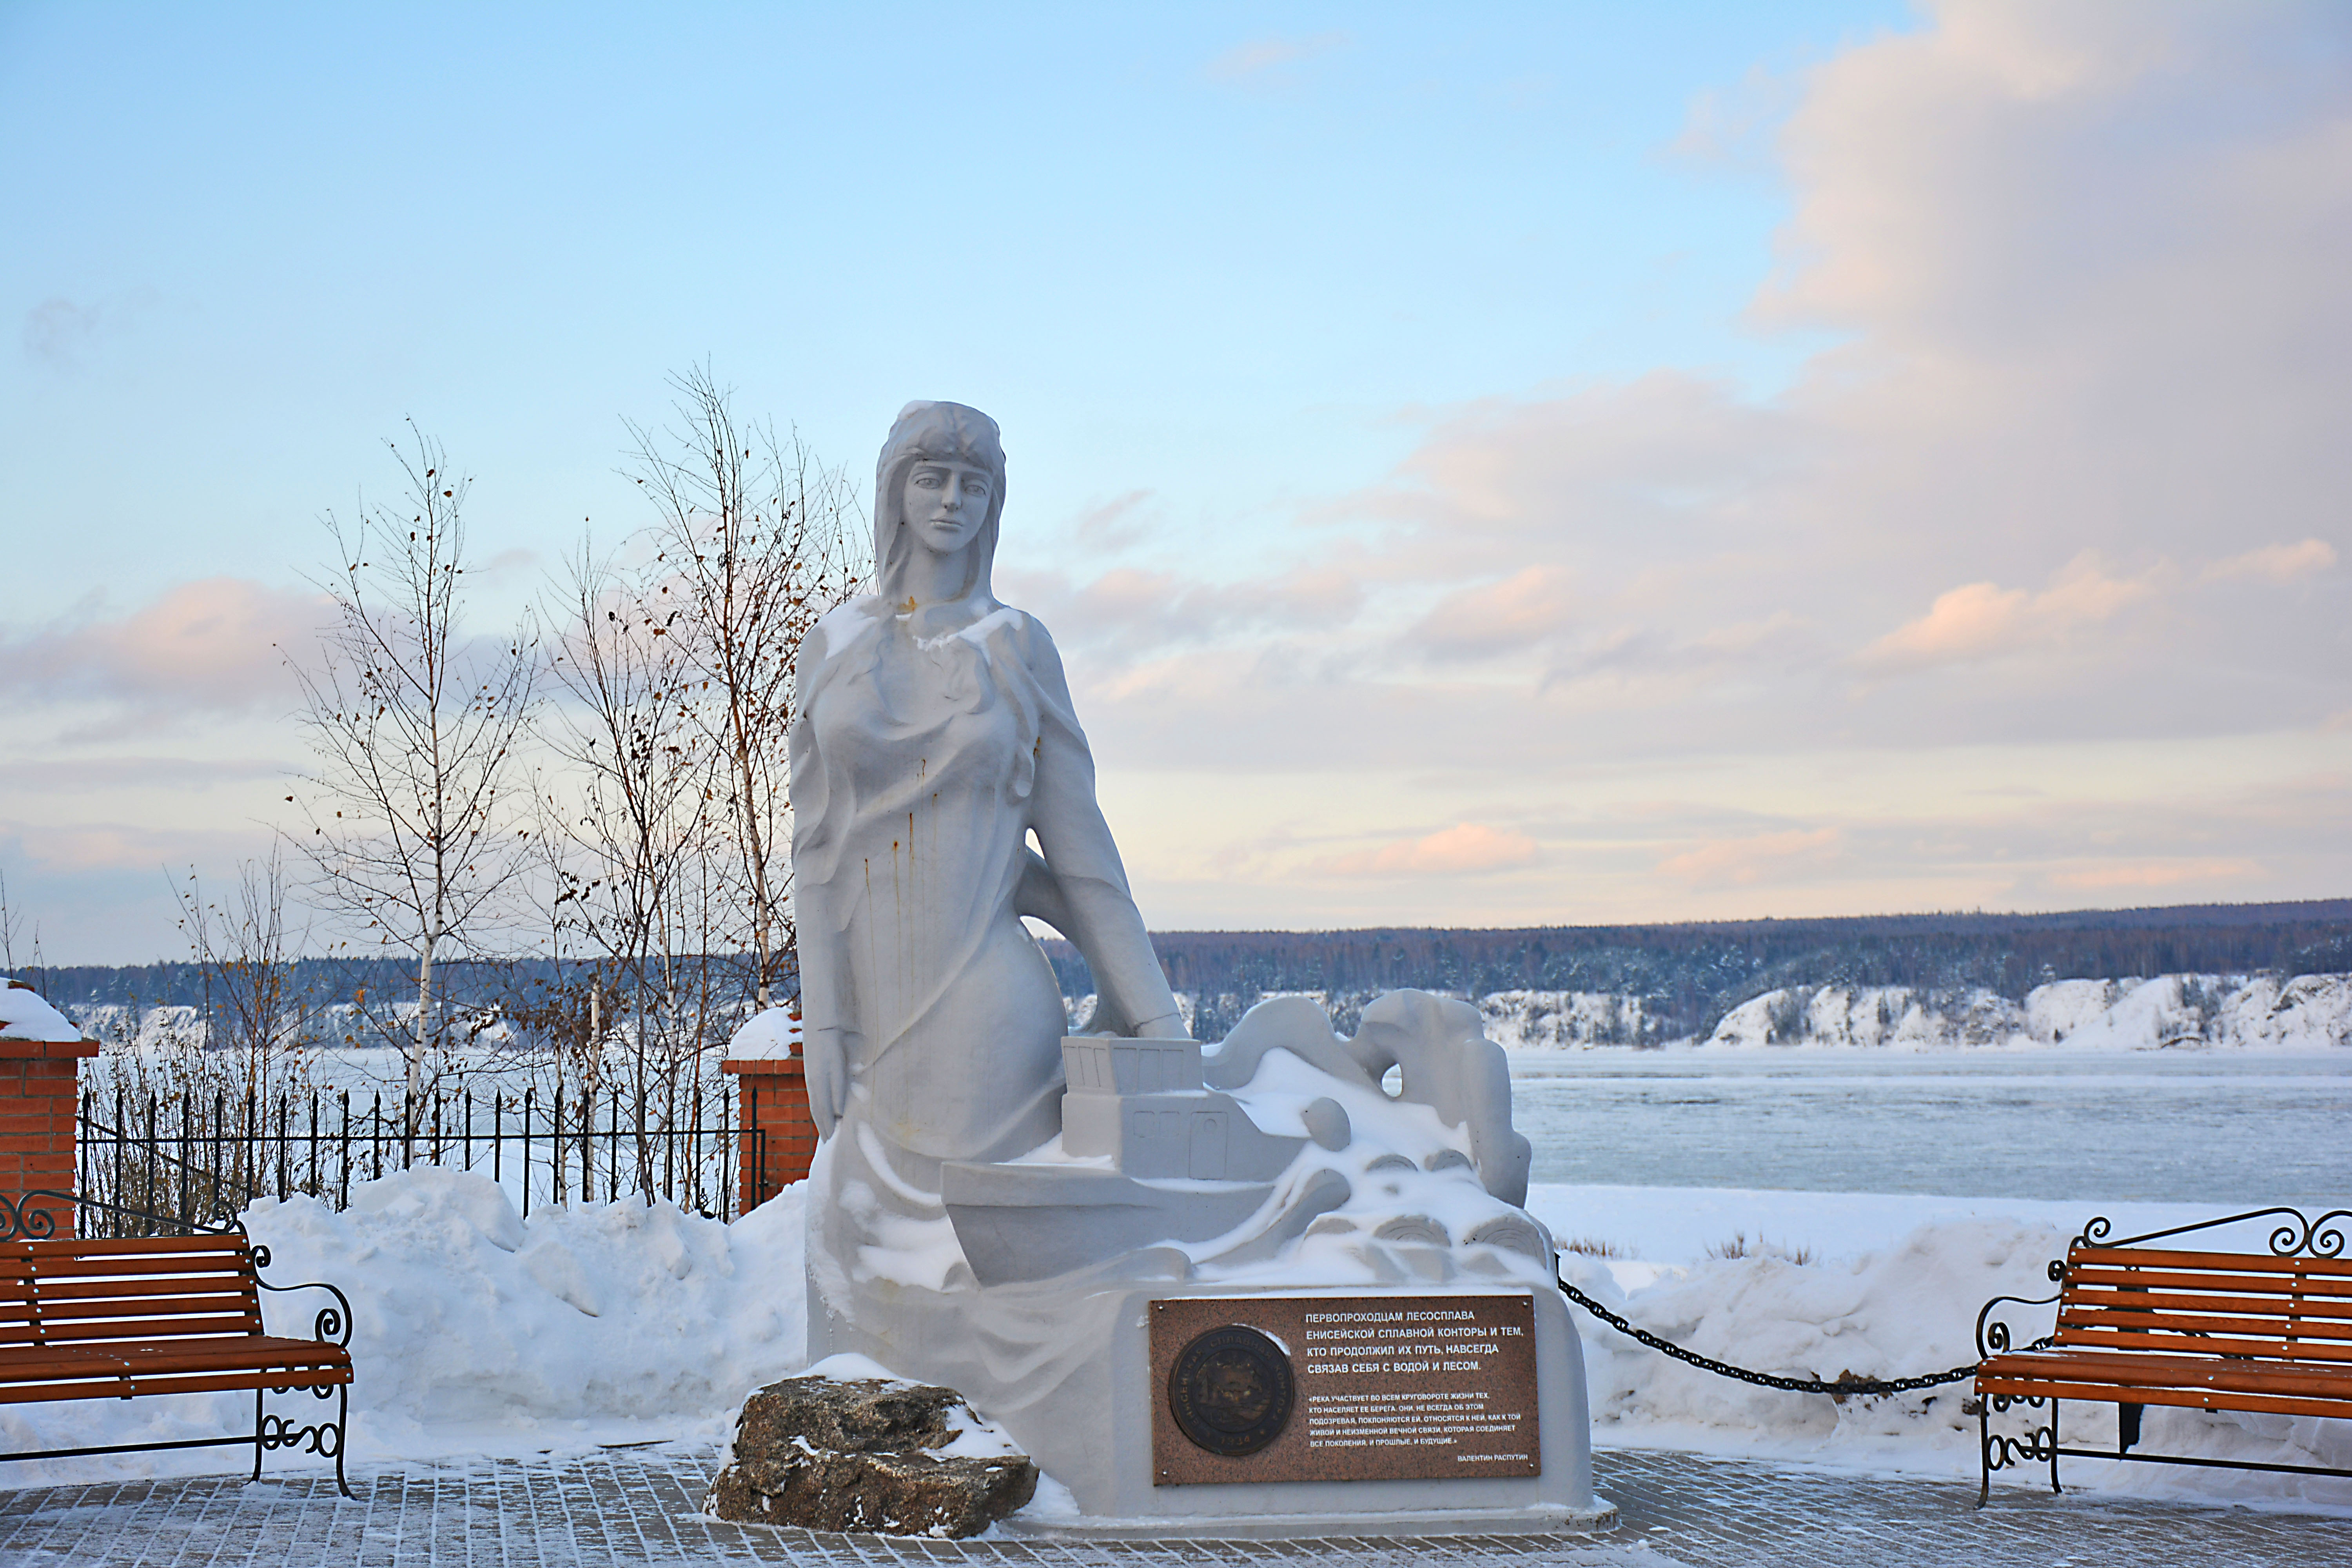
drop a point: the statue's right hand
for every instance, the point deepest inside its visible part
(825, 1064)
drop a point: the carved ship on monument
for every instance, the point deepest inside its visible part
(1148, 1154)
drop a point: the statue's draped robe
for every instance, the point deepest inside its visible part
(920, 767)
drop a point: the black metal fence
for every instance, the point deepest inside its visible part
(196, 1158)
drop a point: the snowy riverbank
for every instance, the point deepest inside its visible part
(2261, 1012)
(476, 1333)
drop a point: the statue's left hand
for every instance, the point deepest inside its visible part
(826, 1067)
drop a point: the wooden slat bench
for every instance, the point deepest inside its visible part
(161, 1314)
(2266, 1332)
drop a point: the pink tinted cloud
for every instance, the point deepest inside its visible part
(2277, 562)
(1763, 858)
(211, 645)
(2158, 874)
(1465, 848)
(1497, 618)
(1129, 608)
(1984, 620)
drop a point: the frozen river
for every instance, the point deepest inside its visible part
(2198, 1128)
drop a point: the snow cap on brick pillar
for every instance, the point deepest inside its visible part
(41, 1054)
(779, 1136)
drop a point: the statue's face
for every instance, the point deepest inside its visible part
(945, 504)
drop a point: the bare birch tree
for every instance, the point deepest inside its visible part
(671, 682)
(254, 1018)
(633, 887)
(756, 539)
(416, 727)
(12, 921)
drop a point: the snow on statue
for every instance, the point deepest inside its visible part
(984, 1183)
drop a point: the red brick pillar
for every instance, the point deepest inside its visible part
(774, 1096)
(41, 1083)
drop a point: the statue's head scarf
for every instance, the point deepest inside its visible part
(936, 432)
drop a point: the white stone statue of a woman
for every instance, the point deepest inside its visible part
(934, 738)
(934, 735)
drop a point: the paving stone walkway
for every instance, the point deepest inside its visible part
(635, 1508)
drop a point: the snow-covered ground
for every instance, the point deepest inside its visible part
(476, 1333)
(1881, 1287)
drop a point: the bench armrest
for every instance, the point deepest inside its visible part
(1994, 1336)
(21, 1221)
(332, 1324)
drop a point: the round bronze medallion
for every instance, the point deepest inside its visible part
(1231, 1391)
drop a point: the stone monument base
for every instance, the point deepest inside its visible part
(1112, 1436)
(1401, 1524)
(1248, 1296)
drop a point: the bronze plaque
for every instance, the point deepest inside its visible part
(1231, 1390)
(1343, 1388)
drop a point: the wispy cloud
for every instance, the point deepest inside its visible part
(2277, 562)
(1764, 859)
(1521, 610)
(1734, 126)
(1262, 57)
(1980, 621)
(1984, 620)
(56, 330)
(2157, 875)
(1466, 848)
(1133, 610)
(1115, 523)
(63, 334)
(80, 776)
(212, 645)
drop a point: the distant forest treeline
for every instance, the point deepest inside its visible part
(1687, 975)
(1690, 976)
(319, 980)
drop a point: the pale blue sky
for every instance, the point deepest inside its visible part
(1580, 462)
(1248, 235)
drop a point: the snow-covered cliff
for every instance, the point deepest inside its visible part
(2311, 1011)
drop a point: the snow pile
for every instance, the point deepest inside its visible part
(1909, 1310)
(1648, 1232)
(772, 1035)
(1906, 1309)
(25, 1017)
(475, 1331)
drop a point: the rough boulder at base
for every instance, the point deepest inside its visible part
(874, 1456)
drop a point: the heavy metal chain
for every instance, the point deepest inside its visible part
(1843, 1385)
